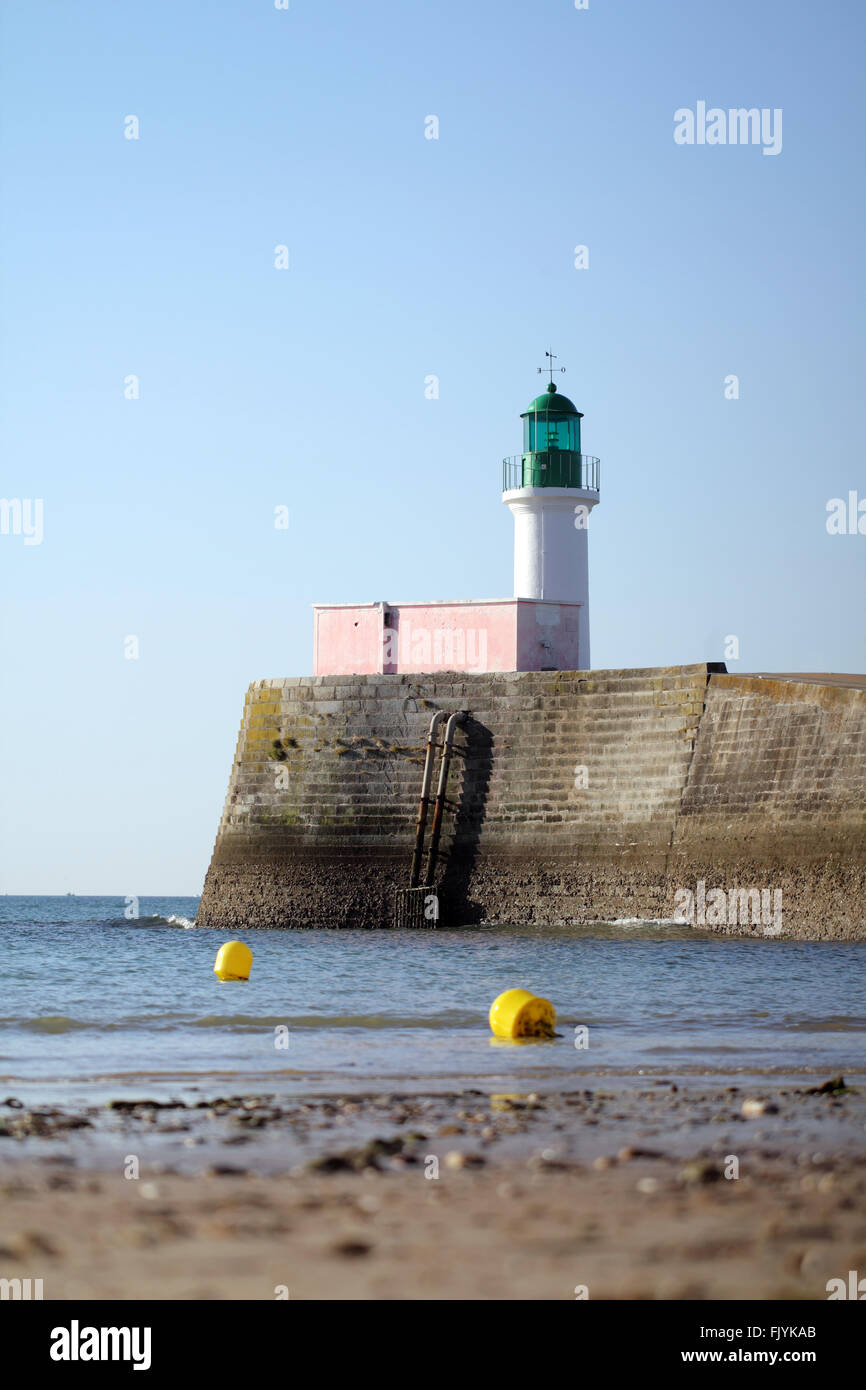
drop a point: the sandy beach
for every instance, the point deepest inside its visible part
(605, 1193)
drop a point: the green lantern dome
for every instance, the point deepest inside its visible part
(553, 403)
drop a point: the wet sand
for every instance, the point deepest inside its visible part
(627, 1193)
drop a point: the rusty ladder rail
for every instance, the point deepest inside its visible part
(439, 807)
(423, 807)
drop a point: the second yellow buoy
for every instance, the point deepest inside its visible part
(519, 1014)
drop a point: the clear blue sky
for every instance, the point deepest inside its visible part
(305, 387)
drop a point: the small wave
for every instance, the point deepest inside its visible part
(454, 1018)
(646, 922)
(155, 919)
(833, 1023)
(53, 1023)
(239, 1023)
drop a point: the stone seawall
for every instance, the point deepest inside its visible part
(776, 797)
(574, 796)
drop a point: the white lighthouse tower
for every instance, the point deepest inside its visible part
(551, 489)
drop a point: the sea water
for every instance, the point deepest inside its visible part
(94, 1002)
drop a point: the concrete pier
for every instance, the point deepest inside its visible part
(574, 796)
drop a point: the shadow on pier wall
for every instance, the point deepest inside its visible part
(470, 811)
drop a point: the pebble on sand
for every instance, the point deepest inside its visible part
(701, 1170)
(753, 1109)
(455, 1159)
(647, 1185)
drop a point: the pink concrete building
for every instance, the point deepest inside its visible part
(508, 634)
(550, 489)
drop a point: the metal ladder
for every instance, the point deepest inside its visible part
(413, 904)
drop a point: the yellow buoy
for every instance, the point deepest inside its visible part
(519, 1014)
(234, 961)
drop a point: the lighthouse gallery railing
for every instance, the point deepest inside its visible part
(550, 469)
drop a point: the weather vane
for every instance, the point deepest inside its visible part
(550, 367)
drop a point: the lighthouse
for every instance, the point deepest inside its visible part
(550, 490)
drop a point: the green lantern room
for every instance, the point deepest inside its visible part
(551, 447)
(551, 442)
